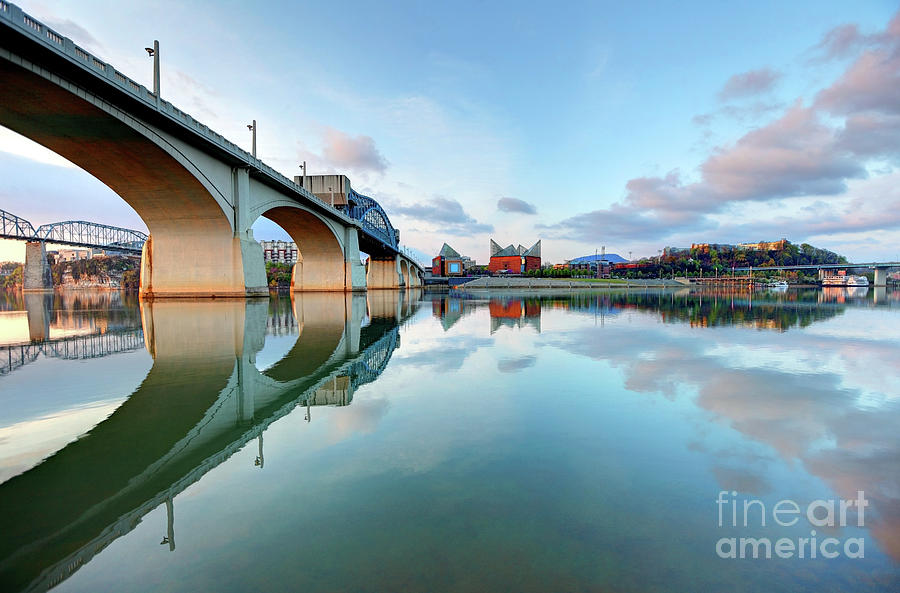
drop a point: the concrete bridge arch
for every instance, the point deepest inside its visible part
(198, 193)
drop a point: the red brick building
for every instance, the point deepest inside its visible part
(514, 260)
(448, 263)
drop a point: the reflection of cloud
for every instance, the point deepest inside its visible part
(360, 417)
(512, 365)
(448, 356)
(741, 480)
(798, 394)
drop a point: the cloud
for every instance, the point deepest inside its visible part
(840, 42)
(746, 84)
(76, 33)
(444, 213)
(796, 155)
(515, 205)
(343, 153)
(870, 83)
(356, 153)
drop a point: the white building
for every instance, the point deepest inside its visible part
(282, 252)
(68, 255)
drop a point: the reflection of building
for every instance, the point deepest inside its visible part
(450, 263)
(451, 310)
(514, 260)
(282, 252)
(515, 313)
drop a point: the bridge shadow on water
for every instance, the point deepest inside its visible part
(203, 400)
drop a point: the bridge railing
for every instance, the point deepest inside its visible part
(59, 44)
(13, 16)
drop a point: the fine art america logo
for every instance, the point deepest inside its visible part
(826, 515)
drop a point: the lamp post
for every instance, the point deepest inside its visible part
(252, 128)
(153, 52)
(331, 191)
(303, 166)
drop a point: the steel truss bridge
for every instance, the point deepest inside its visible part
(78, 233)
(72, 348)
(373, 219)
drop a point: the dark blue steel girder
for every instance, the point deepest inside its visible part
(373, 219)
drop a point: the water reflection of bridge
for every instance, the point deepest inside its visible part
(71, 348)
(203, 400)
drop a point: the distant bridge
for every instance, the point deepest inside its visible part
(197, 192)
(78, 233)
(881, 269)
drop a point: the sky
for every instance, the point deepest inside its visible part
(630, 126)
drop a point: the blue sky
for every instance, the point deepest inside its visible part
(631, 126)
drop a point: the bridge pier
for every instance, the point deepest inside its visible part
(37, 276)
(384, 272)
(880, 277)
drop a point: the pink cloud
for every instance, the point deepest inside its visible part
(753, 82)
(355, 153)
(796, 155)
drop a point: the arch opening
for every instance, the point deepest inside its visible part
(182, 208)
(321, 265)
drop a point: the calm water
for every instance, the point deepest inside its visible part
(422, 442)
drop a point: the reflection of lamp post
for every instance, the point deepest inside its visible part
(331, 191)
(252, 128)
(260, 461)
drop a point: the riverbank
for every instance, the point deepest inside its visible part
(491, 283)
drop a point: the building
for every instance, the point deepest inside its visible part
(70, 255)
(514, 260)
(596, 265)
(450, 263)
(760, 246)
(281, 252)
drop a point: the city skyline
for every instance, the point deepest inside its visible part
(636, 130)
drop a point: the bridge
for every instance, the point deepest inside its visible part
(176, 426)
(197, 192)
(78, 233)
(881, 269)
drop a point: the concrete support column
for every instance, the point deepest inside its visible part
(354, 269)
(880, 276)
(383, 273)
(207, 256)
(821, 274)
(37, 271)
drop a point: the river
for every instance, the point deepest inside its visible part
(626, 440)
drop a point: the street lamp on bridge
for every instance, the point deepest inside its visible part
(153, 52)
(252, 128)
